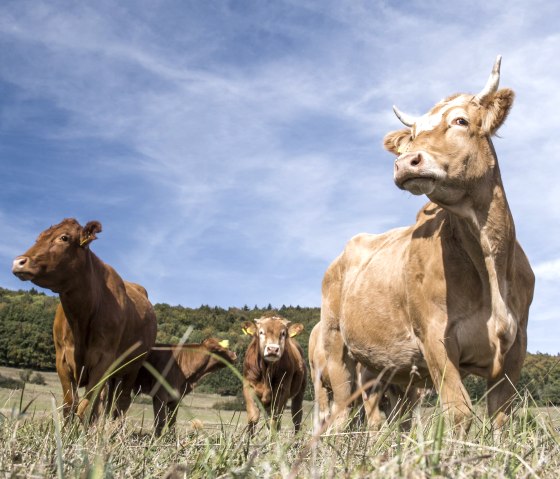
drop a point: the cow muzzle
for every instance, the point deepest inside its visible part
(21, 267)
(417, 173)
(272, 353)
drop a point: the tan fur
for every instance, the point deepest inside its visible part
(376, 395)
(99, 319)
(449, 295)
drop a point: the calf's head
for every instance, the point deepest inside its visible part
(57, 256)
(445, 153)
(272, 333)
(219, 351)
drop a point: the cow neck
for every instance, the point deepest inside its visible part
(487, 233)
(81, 300)
(197, 361)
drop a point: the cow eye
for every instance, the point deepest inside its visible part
(64, 238)
(460, 122)
(261, 332)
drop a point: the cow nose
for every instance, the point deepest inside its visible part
(413, 160)
(272, 349)
(19, 263)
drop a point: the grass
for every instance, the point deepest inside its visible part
(36, 443)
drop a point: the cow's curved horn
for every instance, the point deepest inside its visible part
(493, 81)
(407, 120)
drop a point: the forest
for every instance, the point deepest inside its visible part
(26, 342)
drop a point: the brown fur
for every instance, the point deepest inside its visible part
(100, 316)
(449, 295)
(273, 383)
(182, 367)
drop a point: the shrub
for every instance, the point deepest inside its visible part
(228, 405)
(10, 383)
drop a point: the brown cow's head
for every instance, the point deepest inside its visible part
(271, 333)
(57, 256)
(220, 349)
(447, 151)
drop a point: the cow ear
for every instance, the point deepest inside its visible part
(496, 108)
(89, 231)
(249, 328)
(397, 141)
(295, 329)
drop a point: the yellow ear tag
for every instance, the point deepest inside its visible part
(84, 241)
(224, 343)
(399, 150)
(294, 333)
(245, 331)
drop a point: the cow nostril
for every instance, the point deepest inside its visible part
(417, 160)
(21, 261)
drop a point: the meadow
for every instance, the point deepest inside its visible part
(212, 442)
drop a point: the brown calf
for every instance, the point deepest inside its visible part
(181, 367)
(99, 319)
(274, 370)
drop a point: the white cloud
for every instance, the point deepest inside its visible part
(229, 147)
(548, 270)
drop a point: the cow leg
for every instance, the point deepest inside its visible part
(172, 410)
(69, 387)
(321, 396)
(123, 394)
(279, 400)
(341, 370)
(501, 389)
(297, 408)
(94, 389)
(160, 413)
(401, 403)
(446, 377)
(253, 412)
(372, 402)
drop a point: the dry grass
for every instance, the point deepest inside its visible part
(37, 444)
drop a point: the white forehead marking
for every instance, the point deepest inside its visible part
(429, 121)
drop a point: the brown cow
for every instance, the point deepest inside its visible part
(274, 370)
(181, 367)
(450, 295)
(99, 319)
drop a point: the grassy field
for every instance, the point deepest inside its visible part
(36, 443)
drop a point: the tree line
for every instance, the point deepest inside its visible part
(26, 319)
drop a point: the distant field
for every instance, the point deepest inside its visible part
(194, 406)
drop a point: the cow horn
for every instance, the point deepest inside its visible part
(493, 81)
(407, 120)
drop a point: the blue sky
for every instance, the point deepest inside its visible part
(230, 149)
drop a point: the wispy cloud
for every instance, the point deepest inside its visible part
(230, 150)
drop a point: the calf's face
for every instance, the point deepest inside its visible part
(57, 255)
(272, 333)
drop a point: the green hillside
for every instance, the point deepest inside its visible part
(26, 340)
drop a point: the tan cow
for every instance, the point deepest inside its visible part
(99, 319)
(274, 370)
(181, 367)
(448, 296)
